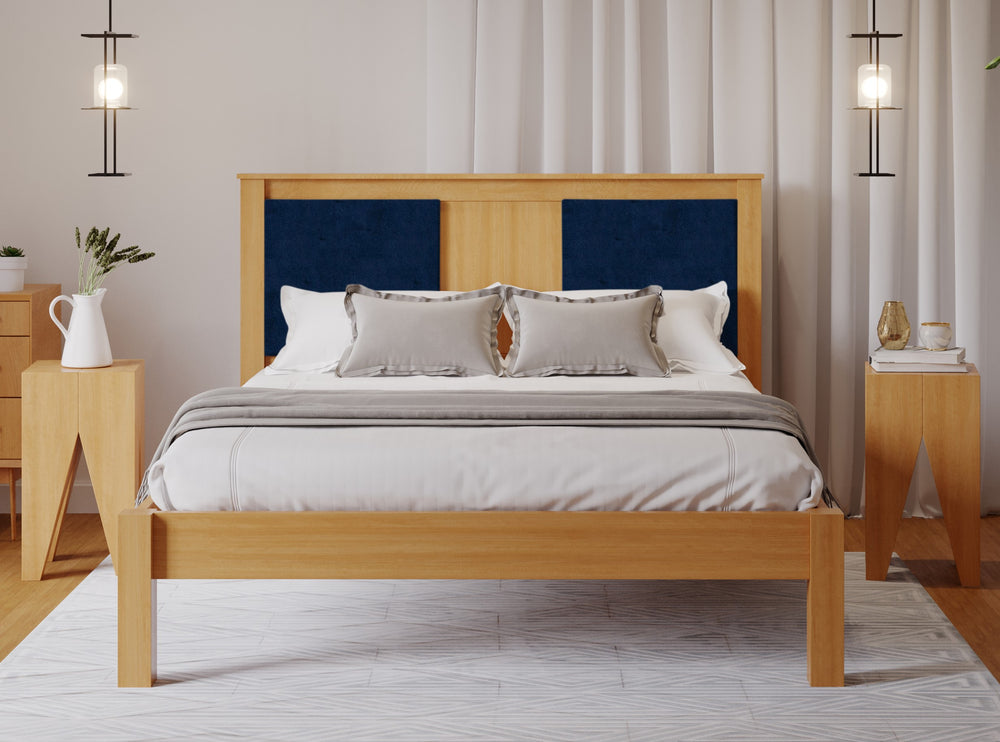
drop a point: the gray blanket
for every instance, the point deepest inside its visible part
(249, 407)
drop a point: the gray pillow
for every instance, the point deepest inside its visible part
(599, 335)
(406, 335)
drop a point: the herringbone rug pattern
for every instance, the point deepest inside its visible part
(490, 660)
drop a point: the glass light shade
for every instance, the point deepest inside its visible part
(874, 86)
(114, 86)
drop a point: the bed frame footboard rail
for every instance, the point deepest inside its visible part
(479, 545)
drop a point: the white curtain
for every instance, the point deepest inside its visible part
(761, 86)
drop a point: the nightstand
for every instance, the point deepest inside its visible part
(942, 409)
(27, 334)
(97, 412)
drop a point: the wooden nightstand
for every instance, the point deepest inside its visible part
(98, 412)
(942, 409)
(26, 335)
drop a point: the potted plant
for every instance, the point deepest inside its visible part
(87, 344)
(12, 267)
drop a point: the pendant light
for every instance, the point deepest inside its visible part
(874, 92)
(110, 92)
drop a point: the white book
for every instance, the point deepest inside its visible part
(917, 368)
(916, 354)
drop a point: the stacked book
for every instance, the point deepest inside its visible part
(912, 359)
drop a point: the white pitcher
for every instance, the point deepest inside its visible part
(87, 344)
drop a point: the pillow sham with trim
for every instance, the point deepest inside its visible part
(401, 334)
(319, 330)
(600, 335)
(689, 328)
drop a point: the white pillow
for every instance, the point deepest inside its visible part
(716, 315)
(319, 330)
(399, 334)
(689, 328)
(608, 334)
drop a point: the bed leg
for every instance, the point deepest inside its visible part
(825, 598)
(136, 601)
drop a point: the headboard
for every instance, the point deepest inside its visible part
(535, 231)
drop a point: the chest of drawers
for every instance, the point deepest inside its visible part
(27, 334)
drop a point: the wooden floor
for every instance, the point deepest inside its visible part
(975, 612)
(24, 604)
(922, 544)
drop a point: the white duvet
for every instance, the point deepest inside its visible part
(501, 468)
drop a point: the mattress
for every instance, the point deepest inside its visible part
(440, 468)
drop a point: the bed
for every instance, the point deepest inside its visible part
(542, 232)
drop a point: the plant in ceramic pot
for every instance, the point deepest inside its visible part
(12, 267)
(87, 344)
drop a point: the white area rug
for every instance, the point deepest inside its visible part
(489, 660)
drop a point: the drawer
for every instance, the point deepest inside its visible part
(15, 317)
(15, 356)
(10, 428)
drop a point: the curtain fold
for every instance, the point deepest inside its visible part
(687, 115)
(760, 86)
(557, 65)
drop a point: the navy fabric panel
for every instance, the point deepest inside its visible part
(631, 244)
(323, 245)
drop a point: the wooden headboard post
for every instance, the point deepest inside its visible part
(252, 195)
(500, 228)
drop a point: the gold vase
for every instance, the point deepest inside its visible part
(893, 327)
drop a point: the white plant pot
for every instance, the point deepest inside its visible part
(12, 273)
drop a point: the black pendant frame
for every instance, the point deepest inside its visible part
(874, 37)
(113, 36)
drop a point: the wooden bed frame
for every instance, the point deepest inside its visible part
(498, 216)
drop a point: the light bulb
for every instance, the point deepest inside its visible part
(112, 92)
(872, 87)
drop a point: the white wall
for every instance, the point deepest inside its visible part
(220, 88)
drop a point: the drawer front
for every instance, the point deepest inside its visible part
(10, 428)
(15, 356)
(14, 317)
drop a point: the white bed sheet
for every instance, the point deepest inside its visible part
(501, 468)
